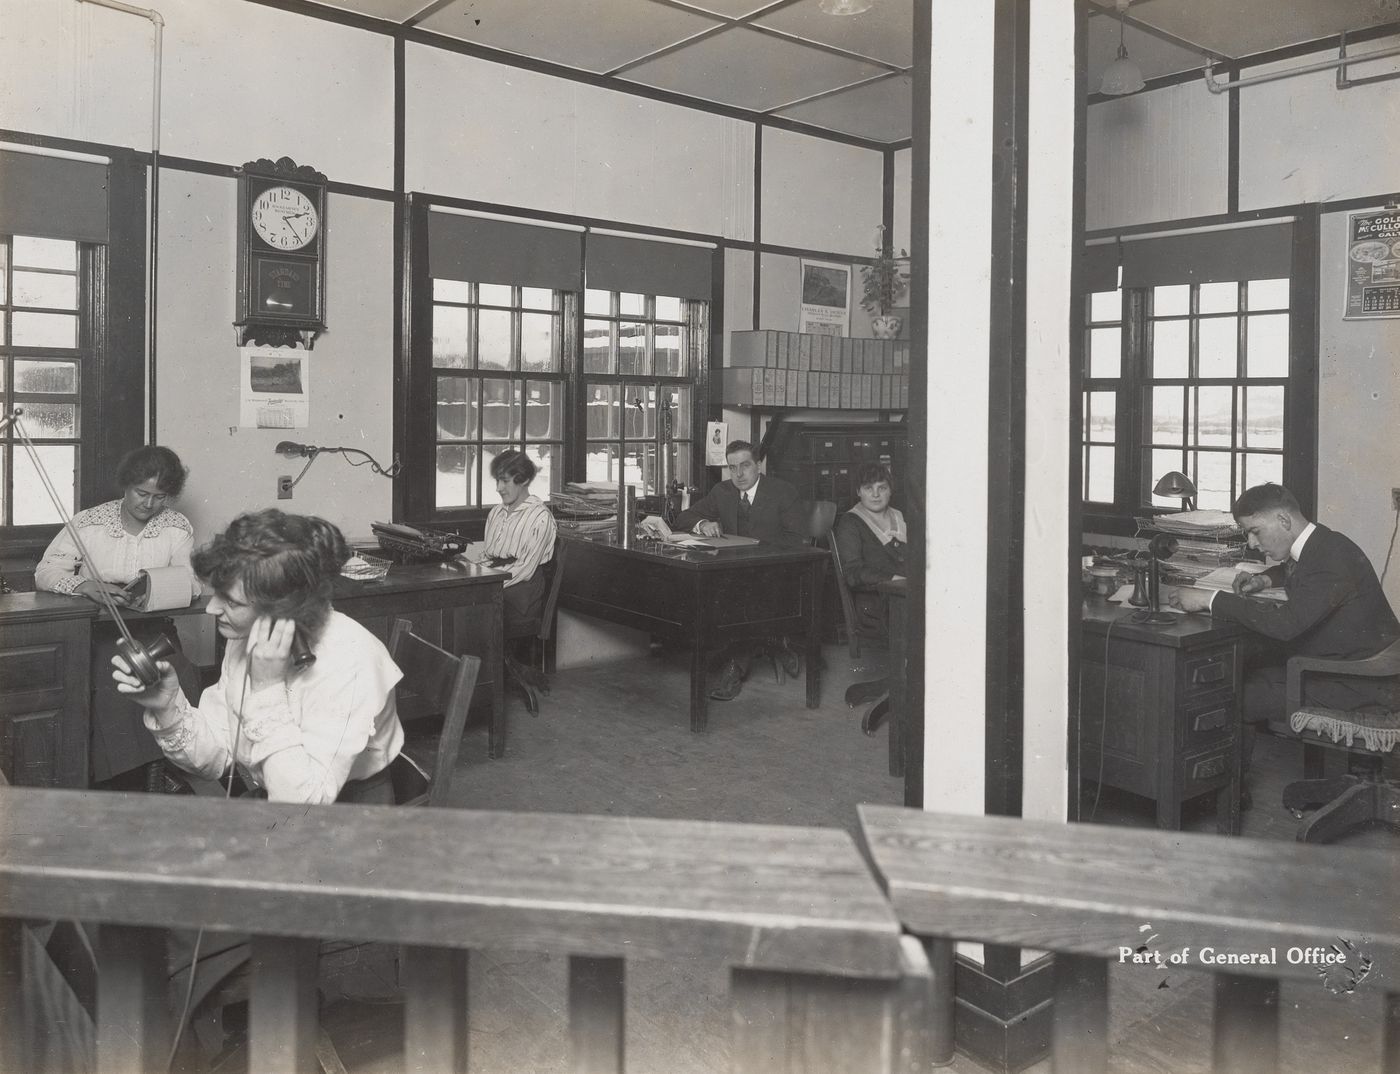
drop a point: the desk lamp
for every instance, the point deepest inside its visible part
(1178, 486)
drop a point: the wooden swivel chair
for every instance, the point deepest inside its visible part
(872, 697)
(440, 683)
(814, 521)
(530, 680)
(1356, 798)
(854, 631)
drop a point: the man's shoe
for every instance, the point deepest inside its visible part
(728, 682)
(788, 658)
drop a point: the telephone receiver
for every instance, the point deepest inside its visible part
(141, 659)
(302, 656)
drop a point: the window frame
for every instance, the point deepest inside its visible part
(1132, 487)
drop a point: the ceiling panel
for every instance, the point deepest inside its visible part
(1238, 28)
(591, 35)
(885, 32)
(747, 69)
(1154, 56)
(881, 111)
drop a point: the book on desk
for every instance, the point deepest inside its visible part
(657, 527)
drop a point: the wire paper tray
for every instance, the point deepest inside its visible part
(365, 568)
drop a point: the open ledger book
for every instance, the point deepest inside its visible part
(655, 526)
(1223, 579)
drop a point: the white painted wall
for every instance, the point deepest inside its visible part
(1156, 155)
(903, 194)
(819, 194)
(1358, 429)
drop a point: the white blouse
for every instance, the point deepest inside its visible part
(117, 556)
(303, 738)
(527, 533)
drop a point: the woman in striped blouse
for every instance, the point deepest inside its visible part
(519, 537)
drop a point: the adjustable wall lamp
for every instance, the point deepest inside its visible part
(310, 452)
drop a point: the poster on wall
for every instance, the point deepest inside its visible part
(826, 299)
(1373, 264)
(716, 437)
(274, 388)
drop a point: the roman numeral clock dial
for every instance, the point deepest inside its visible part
(281, 254)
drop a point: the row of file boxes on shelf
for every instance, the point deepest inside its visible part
(795, 369)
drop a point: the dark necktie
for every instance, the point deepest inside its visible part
(743, 514)
(1289, 566)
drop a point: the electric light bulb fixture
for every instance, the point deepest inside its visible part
(1122, 76)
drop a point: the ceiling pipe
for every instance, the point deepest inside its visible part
(1339, 65)
(152, 258)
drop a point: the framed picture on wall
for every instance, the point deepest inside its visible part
(1373, 265)
(825, 298)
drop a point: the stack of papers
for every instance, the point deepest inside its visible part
(1198, 524)
(1223, 579)
(655, 526)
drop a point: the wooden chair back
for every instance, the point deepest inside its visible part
(848, 604)
(816, 517)
(444, 683)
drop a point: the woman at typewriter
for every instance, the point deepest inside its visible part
(519, 538)
(127, 536)
(304, 708)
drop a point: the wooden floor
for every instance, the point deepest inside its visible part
(614, 739)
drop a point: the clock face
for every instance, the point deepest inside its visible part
(285, 218)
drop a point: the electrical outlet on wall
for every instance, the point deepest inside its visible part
(284, 487)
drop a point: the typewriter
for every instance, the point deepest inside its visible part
(404, 544)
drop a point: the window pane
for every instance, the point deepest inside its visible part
(604, 412)
(1100, 417)
(1098, 474)
(537, 349)
(51, 421)
(1172, 300)
(46, 289)
(632, 348)
(680, 411)
(45, 330)
(1219, 347)
(1257, 469)
(32, 504)
(46, 378)
(1219, 298)
(680, 461)
(630, 305)
(1164, 461)
(1267, 345)
(537, 298)
(1171, 343)
(456, 408)
(1105, 352)
(1213, 481)
(500, 409)
(489, 495)
(495, 294)
(1268, 294)
(668, 309)
(600, 464)
(544, 410)
(1214, 424)
(45, 253)
(640, 412)
(452, 291)
(455, 477)
(493, 339)
(597, 347)
(451, 335)
(548, 478)
(1166, 421)
(597, 302)
(1106, 306)
(1262, 420)
(668, 351)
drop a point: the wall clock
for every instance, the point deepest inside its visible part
(281, 294)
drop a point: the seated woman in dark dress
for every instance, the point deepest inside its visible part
(871, 540)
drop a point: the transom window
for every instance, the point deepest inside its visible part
(497, 360)
(43, 351)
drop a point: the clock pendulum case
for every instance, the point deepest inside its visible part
(281, 294)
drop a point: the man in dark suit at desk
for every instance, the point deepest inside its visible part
(1335, 607)
(749, 504)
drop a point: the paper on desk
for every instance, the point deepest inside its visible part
(1223, 580)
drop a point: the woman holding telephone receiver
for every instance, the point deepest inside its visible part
(299, 730)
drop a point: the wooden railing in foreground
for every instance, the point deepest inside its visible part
(821, 978)
(1085, 892)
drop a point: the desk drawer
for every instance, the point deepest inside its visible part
(1204, 672)
(1207, 770)
(1208, 720)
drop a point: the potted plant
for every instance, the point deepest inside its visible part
(885, 285)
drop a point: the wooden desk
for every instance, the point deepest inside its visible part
(702, 600)
(1173, 693)
(46, 640)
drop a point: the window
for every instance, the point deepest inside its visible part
(498, 383)
(46, 352)
(639, 355)
(1196, 364)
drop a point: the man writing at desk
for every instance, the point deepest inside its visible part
(749, 504)
(1335, 608)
